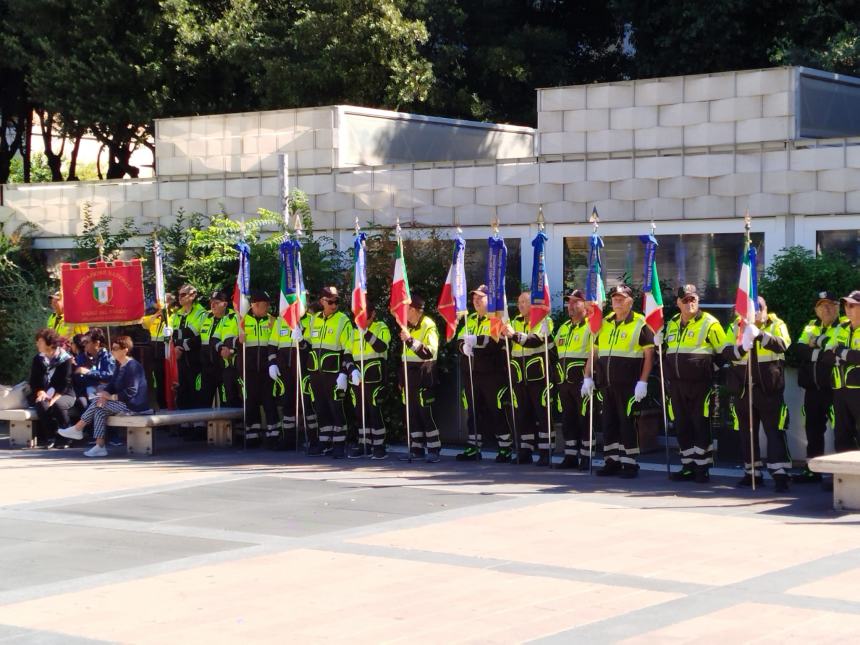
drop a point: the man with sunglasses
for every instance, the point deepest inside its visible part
(252, 365)
(814, 377)
(328, 337)
(219, 324)
(694, 342)
(185, 325)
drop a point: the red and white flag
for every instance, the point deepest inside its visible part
(401, 297)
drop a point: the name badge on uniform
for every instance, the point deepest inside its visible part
(285, 331)
(315, 333)
(689, 334)
(623, 334)
(670, 337)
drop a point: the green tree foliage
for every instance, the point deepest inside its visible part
(490, 55)
(794, 277)
(24, 289)
(678, 37)
(97, 63)
(99, 236)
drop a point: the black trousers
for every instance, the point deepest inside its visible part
(423, 431)
(54, 417)
(846, 405)
(188, 393)
(258, 394)
(817, 408)
(211, 375)
(488, 407)
(574, 421)
(288, 398)
(372, 431)
(769, 410)
(531, 415)
(692, 424)
(329, 409)
(620, 440)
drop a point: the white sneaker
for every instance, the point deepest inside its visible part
(96, 451)
(70, 433)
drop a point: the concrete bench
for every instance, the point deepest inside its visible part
(20, 426)
(845, 467)
(139, 427)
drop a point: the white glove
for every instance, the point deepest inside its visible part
(587, 388)
(296, 334)
(640, 390)
(51, 391)
(843, 355)
(470, 340)
(658, 338)
(544, 327)
(274, 372)
(749, 336)
(355, 378)
(341, 381)
(467, 350)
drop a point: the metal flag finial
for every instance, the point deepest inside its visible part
(357, 227)
(595, 218)
(541, 221)
(494, 224)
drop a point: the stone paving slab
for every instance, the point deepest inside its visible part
(227, 546)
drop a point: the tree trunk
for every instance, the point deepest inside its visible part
(55, 160)
(27, 120)
(73, 162)
(119, 153)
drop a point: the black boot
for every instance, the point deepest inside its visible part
(471, 453)
(780, 483)
(806, 476)
(543, 458)
(686, 474)
(584, 463)
(504, 456)
(524, 456)
(746, 481)
(703, 475)
(629, 471)
(570, 462)
(610, 468)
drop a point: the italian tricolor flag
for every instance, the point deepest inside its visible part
(400, 295)
(745, 299)
(653, 306)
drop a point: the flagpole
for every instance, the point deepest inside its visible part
(495, 226)
(300, 395)
(405, 371)
(541, 226)
(361, 381)
(474, 427)
(244, 362)
(753, 430)
(662, 379)
(591, 450)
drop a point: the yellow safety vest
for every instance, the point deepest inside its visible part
(426, 334)
(846, 375)
(329, 338)
(701, 335)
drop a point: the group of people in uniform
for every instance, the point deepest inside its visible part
(515, 381)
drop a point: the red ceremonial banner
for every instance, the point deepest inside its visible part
(102, 292)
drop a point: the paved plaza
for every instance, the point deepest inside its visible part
(214, 546)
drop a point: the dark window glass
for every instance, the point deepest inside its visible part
(475, 261)
(711, 261)
(845, 242)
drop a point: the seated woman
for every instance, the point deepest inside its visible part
(125, 394)
(51, 386)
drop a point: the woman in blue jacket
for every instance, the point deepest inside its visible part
(125, 394)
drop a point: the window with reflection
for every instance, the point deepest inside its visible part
(845, 242)
(711, 261)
